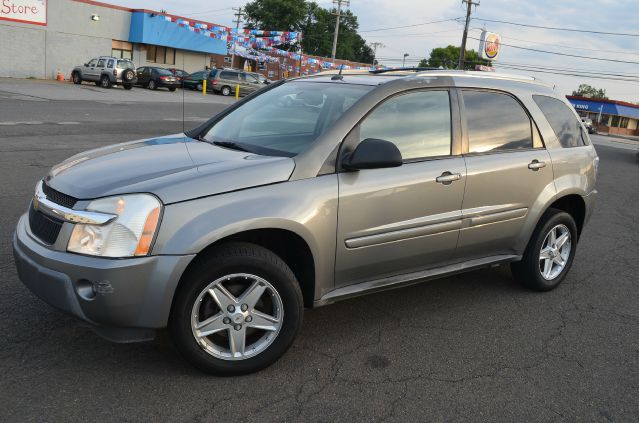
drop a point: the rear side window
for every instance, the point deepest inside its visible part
(562, 120)
(110, 64)
(496, 122)
(230, 75)
(101, 63)
(417, 123)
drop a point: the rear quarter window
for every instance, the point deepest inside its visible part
(562, 120)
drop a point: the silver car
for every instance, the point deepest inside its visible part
(106, 71)
(310, 191)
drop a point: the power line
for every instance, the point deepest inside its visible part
(205, 12)
(559, 29)
(565, 54)
(410, 26)
(607, 78)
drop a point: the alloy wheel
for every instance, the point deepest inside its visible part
(237, 316)
(555, 251)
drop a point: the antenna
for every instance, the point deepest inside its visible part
(339, 76)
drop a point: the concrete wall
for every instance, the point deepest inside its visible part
(69, 39)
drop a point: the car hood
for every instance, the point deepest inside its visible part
(175, 168)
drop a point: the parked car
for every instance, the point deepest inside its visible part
(224, 81)
(179, 74)
(363, 183)
(153, 78)
(589, 126)
(106, 71)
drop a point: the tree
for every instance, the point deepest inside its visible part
(586, 90)
(447, 57)
(317, 25)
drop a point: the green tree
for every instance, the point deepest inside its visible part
(317, 25)
(586, 90)
(448, 57)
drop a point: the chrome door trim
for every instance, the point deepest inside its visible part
(492, 214)
(43, 204)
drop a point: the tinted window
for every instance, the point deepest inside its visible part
(417, 123)
(197, 75)
(562, 120)
(496, 122)
(101, 63)
(287, 119)
(110, 64)
(229, 75)
(160, 71)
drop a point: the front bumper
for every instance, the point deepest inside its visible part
(589, 201)
(123, 300)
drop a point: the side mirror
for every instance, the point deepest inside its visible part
(373, 153)
(86, 65)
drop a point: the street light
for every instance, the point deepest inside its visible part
(404, 59)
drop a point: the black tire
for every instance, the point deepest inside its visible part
(172, 89)
(152, 85)
(127, 86)
(225, 91)
(105, 82)
(225, 260)
(528, 271)
(76, 78)
(128, 75)
(199, 87)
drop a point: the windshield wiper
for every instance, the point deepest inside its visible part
(232, 145)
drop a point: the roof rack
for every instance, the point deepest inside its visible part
(410, 69)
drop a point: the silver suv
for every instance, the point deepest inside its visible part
(106, 71)
(310, 191)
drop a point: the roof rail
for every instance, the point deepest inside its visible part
(409, 69)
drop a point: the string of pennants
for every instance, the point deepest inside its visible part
(253, 44)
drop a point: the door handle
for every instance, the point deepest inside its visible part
(448, 178)
(535, 165)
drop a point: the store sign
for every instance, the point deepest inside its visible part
(489, 45)
(27, 11)
(581, 106)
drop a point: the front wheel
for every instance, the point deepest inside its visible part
(77, 79)
(549, 253)
(105, 82)
(237, 311)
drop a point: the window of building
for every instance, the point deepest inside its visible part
(496, 122)
(615, 122)
(122, 54)
(159, 54)
(417, 123)
(623, 122)
(227, 59)
(562, 120)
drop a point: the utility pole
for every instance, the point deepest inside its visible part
(462, 52)
(374, 46)
(339, 11)
(237, 20)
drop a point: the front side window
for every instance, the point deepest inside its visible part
(93, 62)
(418, 123)
(285, 120)
(562, 120)
(496, 122)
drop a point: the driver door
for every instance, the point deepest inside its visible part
(90, 72)
(404, 219)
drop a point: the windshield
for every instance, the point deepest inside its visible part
(287, 119)
(161, 71)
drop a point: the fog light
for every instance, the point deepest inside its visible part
(85, 289)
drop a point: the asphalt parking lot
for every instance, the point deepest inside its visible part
(473, 347)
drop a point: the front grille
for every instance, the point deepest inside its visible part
(58, 197)
(44, 227)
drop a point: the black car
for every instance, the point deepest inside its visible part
(154, 77)
(179, 74)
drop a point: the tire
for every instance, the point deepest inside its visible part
(105, 82)
(128, 75)
(172, 89)
(152, 85)
(529, 270)
(236, 265)
(77, 79)
(226, 91)
(199, 87)
(127, 86)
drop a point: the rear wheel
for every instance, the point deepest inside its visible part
(105, 82)
(226, 91)
(237, 311)
(549, 253)
(152, 85)
(199, 87)
(77, 79)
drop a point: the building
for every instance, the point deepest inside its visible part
(40, 39)
(611, 116)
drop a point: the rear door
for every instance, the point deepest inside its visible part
(405, 219)
(509, 174)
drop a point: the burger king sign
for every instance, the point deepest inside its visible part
(489, 44)
(27, 11)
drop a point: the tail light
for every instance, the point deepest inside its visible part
(164, 78)
(115, 72)
(213, 82)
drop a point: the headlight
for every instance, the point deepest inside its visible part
(130, 234)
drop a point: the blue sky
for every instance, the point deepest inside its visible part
(598, 15)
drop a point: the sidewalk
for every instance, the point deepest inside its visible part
(634, 138)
